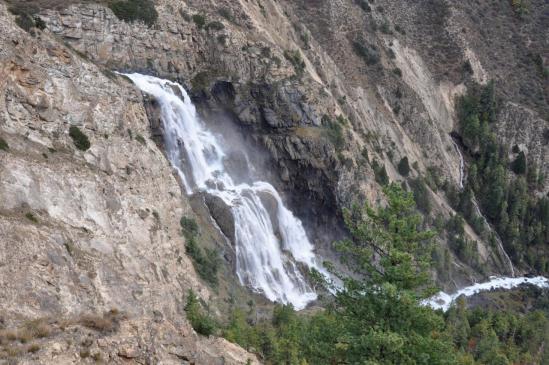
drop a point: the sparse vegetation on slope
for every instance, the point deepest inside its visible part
(135, 10)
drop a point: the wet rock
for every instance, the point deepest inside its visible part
(222, 215)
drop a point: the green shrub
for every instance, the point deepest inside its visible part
(368, 53)
(296, 60)
(199, 20)
(403, 166)
(202, 323)
(206, 261)
(519, 165)
(135, 10)
(421, 195)
(80, 140)
(364, 5)
(25, 22)
(215, 25)
(386, 27)
(39, 23)
(190, 227)
(4, 145)
(397, 71)
(31, 217)
(334, 131)
(139, 138)
(380, 173)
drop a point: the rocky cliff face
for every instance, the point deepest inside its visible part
(83, 233)
(318, 90)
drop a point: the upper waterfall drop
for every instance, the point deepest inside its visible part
(263, 261)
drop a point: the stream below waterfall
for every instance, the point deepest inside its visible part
(267, 250)
(444, 300)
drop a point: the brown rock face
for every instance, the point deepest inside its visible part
(86, 232)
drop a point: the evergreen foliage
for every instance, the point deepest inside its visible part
(404, 166)
(135, 10)
(79, 139)
(206, 260)
(377, 318)
(202, 323)
(509, 202)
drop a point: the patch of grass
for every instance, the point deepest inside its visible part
(31, 217)
(4, 145)
(34, 348)
(106, 323)
(135, 10)
(80, 140)
(199, 20)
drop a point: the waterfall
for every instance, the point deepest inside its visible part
(461, 164)
(443, 300)
(265, 261)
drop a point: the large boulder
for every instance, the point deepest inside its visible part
(222, 215)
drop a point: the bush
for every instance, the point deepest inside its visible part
(202, 323)
(421, 195)
(135, 10)
(206, 261)
(364, 5)
(80, 140)
(296, 60)
(334, 131)
(39, 23)
(380, 173)
(4, 145)
(199, 20)
(215, 25)
(31, 217)
(519, 165)
(190, 227)
(368, 53)
(403, 166)
(106, 323)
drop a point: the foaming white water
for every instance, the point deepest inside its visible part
(264, 262)
(444, 301)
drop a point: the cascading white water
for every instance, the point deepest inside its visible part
(443, 300)
(264, 262)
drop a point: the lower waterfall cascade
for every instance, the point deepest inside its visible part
(265, 262)
(444, 300)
